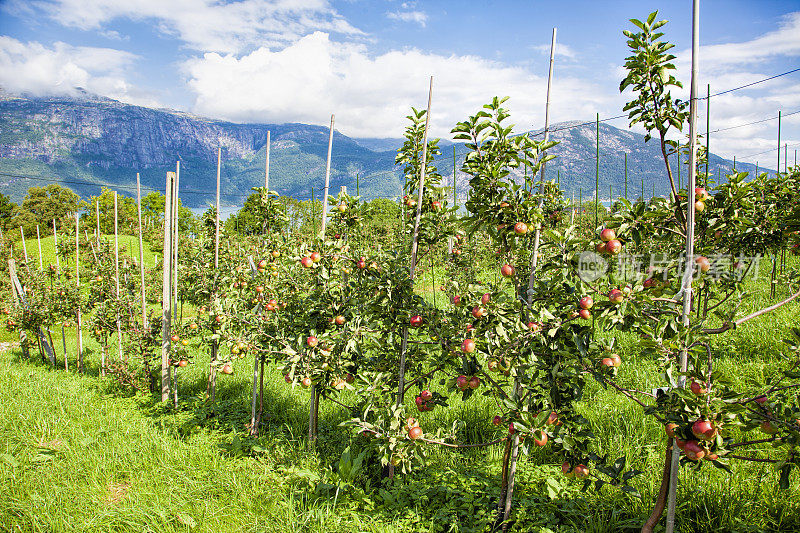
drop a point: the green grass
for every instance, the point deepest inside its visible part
(76, 454)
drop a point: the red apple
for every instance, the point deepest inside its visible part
(339, 320)
(312, 341)
(415, 433)
(703, 429)
(426, 395)
(701, 194)
(477, 311)
(306, 382)
(456, 300)
(416, 321)
(227, 368)
(474, 382)
(699, 206)
(697, 388)
(306, 262)
(542, 441)
(586, 302)
(616, 359)
(436, 205)
(693, 450)
(520, 228)
(606, 361)
(507, 270)
(316, 257)
(616, 296)
(670, 429)
(361, 264)
(535, 326)
(566, 469)
(600, 247)
(497, 420)
(585, 314)
(468, 346)
(703, 264)
(486, 298)
(263, 263)
(608, 235)
(581, 471)
(613, 246)
(462, 382)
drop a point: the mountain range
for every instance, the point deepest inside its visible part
(88, 141)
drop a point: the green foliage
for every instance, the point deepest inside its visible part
(42, 205)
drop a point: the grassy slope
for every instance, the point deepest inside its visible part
(75, 457)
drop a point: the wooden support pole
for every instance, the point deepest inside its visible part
(78, 286)
(510, 461)
(212, 371)
(415, 237)
(141, 252)
(24, 248)
(175, 240)
(97, 217)
(116, 279)
(266, 170)
(39, 241)
(597, 172)
(689, 265)
(55, 246)
(166, 293)
(327, 181)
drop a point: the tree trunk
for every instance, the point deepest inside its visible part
(661, 501)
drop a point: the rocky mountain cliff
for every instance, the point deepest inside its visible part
(91, 141)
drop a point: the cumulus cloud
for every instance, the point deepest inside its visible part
(409, 16)
(561, 50)
(61, 69)
(205, 25)
(314, 77)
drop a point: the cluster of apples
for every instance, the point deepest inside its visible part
(457, 244)
(609, 244)
(423, 401)
(412, 429)
(311, 259)
(695, 449)
(463, 382)
(584, 304)
(700, 197)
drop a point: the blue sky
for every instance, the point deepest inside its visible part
(367, 61)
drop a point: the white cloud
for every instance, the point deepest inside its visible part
(409, 16)
(34, 68)
(206, 25)
(561, 50)
(314, 77)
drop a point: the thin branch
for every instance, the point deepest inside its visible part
(728, 325)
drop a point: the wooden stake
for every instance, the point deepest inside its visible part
(512, 460)
(78, 286)
(39, 241)
(689, 265)
(55, 245)
(166, 293)
(97, 216)
(116, 279)
(415, 241)
(175, 239)
(24, 248)
(327, 181)
(266, 170)
(212, 373)
(141, 251)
